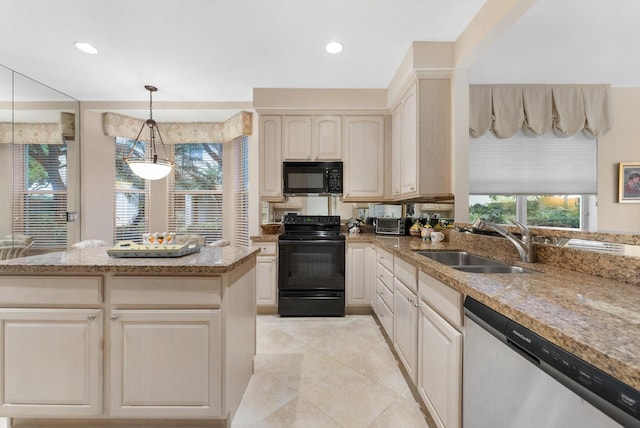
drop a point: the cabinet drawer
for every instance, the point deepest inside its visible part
(406, 273)
(385, 315)
(384, 275)
(442, 298)
(385, 293)
(50, 290)
(266, 248)
(165, 291)
(385, 258)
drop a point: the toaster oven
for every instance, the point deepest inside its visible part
(392, 226)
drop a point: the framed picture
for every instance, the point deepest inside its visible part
(629, 184)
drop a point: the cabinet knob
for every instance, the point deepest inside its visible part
(417, 305)
(113, 317)
(91, 317)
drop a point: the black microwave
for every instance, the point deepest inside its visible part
(317, 178)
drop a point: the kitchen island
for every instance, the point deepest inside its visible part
(90, 339)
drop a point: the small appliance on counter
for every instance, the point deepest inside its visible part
(392, 226)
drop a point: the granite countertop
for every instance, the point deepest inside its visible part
(595, 318)
(265, 237)
(209, 260)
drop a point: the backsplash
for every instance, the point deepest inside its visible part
(615, 267)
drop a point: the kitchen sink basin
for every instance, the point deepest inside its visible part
(459, 258)
(463, 261)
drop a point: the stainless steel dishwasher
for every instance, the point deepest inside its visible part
(514, 378)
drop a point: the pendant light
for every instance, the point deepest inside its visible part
(152, 168)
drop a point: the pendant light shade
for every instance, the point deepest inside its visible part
(153, 167)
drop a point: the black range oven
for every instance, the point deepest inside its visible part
(311, 266)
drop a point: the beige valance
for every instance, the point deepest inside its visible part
(567, 109)
(117, 125)
(39, 133)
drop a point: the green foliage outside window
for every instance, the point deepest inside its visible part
(559, 211)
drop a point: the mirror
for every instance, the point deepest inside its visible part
(38, 142)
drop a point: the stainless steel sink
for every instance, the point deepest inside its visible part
(463, 261)
(458, 258)
(492, 269)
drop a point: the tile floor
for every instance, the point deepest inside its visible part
(326, 372)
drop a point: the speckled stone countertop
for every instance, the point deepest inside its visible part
(595, 318)
(209, 260)
(265, 237)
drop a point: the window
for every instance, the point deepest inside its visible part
(544, 181)
(557, 211)
(242, 192)
(39, 197)
(130, 197)
(195, 190)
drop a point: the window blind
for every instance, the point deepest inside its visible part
(242, 192)
(195, 190)
(532, 165)
(131, 194)
(39, 195)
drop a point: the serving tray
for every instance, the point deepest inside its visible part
(131, 249)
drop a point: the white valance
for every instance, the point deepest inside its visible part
(537, 109)
(118, 125)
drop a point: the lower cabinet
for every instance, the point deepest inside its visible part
(267, 275)
(405, 314)
(358, 272)
(166, 363)
(51, 362)
(439, 378)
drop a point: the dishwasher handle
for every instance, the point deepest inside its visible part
(523, 352)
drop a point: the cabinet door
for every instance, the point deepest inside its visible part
(358, 274)
(396, 152)
(371, 275)
(327, 138)
(166, 363)
(266, 280)
(271, 157)
(297, 137)
(409, 142)
(405, 325)
(363, 158)
(440, 367)
(51, 362)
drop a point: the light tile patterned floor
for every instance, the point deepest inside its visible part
(326, 372)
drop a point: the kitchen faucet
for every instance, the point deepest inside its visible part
(524, 246)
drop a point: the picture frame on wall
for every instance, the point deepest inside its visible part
(629, 182)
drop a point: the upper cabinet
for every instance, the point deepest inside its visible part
(421, 140)
(357, 141)
(310, 138)
(364, 161)
(271, 158)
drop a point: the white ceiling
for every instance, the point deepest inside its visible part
(219, 50)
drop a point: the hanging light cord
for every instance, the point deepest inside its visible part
(151, 124)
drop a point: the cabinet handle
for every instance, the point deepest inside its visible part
(417, 305)
(91, 317)
(113, 317)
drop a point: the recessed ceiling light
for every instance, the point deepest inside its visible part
(86, 47)
(334, 47)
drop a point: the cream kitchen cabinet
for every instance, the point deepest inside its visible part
(364, 158)
(405, 316)
(312, 138)
(421, 141)
(51, 362)
(51, 334)
(271, 158)
(267, 276)
(166, 363)
(358, 275)
(384, 290)
(440, 351)
(296, 137)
